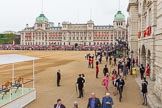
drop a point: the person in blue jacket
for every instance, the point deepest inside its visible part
(107, 101)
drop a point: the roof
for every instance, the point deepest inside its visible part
(15, 58)
(119, 15)
(90, 21)
(41, 18)
(103, 26)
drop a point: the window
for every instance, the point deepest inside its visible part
(90, 38)
(85, 38)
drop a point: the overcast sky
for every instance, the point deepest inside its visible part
(15, 14)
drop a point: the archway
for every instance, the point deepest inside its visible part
(76, 45)
(143, 56)
(148, 57)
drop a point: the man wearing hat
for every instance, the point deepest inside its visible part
(107, 101)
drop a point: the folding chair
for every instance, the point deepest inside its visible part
(5, 88)
(18, 83)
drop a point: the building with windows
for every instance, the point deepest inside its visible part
(145, 37)
(45, 33)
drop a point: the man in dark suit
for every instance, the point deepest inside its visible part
(59, 104)
(142, 71)
(94, 102)
(120, 82)
(144, 91)
(58, 78)
(80, 82)
(105, 70)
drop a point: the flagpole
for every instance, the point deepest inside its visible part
(119, 5)
(42, 6)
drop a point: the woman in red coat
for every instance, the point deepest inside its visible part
(137, 61)
(148, 70)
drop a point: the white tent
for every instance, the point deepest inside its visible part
(16, 58)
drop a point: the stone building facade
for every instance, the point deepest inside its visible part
(145, 36)
(44, 33)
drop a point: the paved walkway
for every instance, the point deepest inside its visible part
(153, 100)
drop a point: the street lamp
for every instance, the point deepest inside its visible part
(131, 61)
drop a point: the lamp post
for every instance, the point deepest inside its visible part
(131, 61)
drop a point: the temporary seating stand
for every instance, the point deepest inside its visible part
(12, 59)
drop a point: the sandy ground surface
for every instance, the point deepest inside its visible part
(71, 63)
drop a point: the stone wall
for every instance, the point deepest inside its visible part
(158, 54)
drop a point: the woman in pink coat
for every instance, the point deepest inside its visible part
(106, 82)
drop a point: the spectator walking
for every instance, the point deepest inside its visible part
(142, 71)
(114, 61)
(59, 104)
(125, 71)
(106, 82)
(58, 78)
(113, 78)
(106, 57)
(89, 62)
(120, 83)
(93, 102)
(120, 66)
(80, 82)
(105, 70)
(107, 101)
(144, 91)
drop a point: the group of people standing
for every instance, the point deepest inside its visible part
(117, 75)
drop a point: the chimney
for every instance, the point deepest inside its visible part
(58, 24)
(26, 25)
